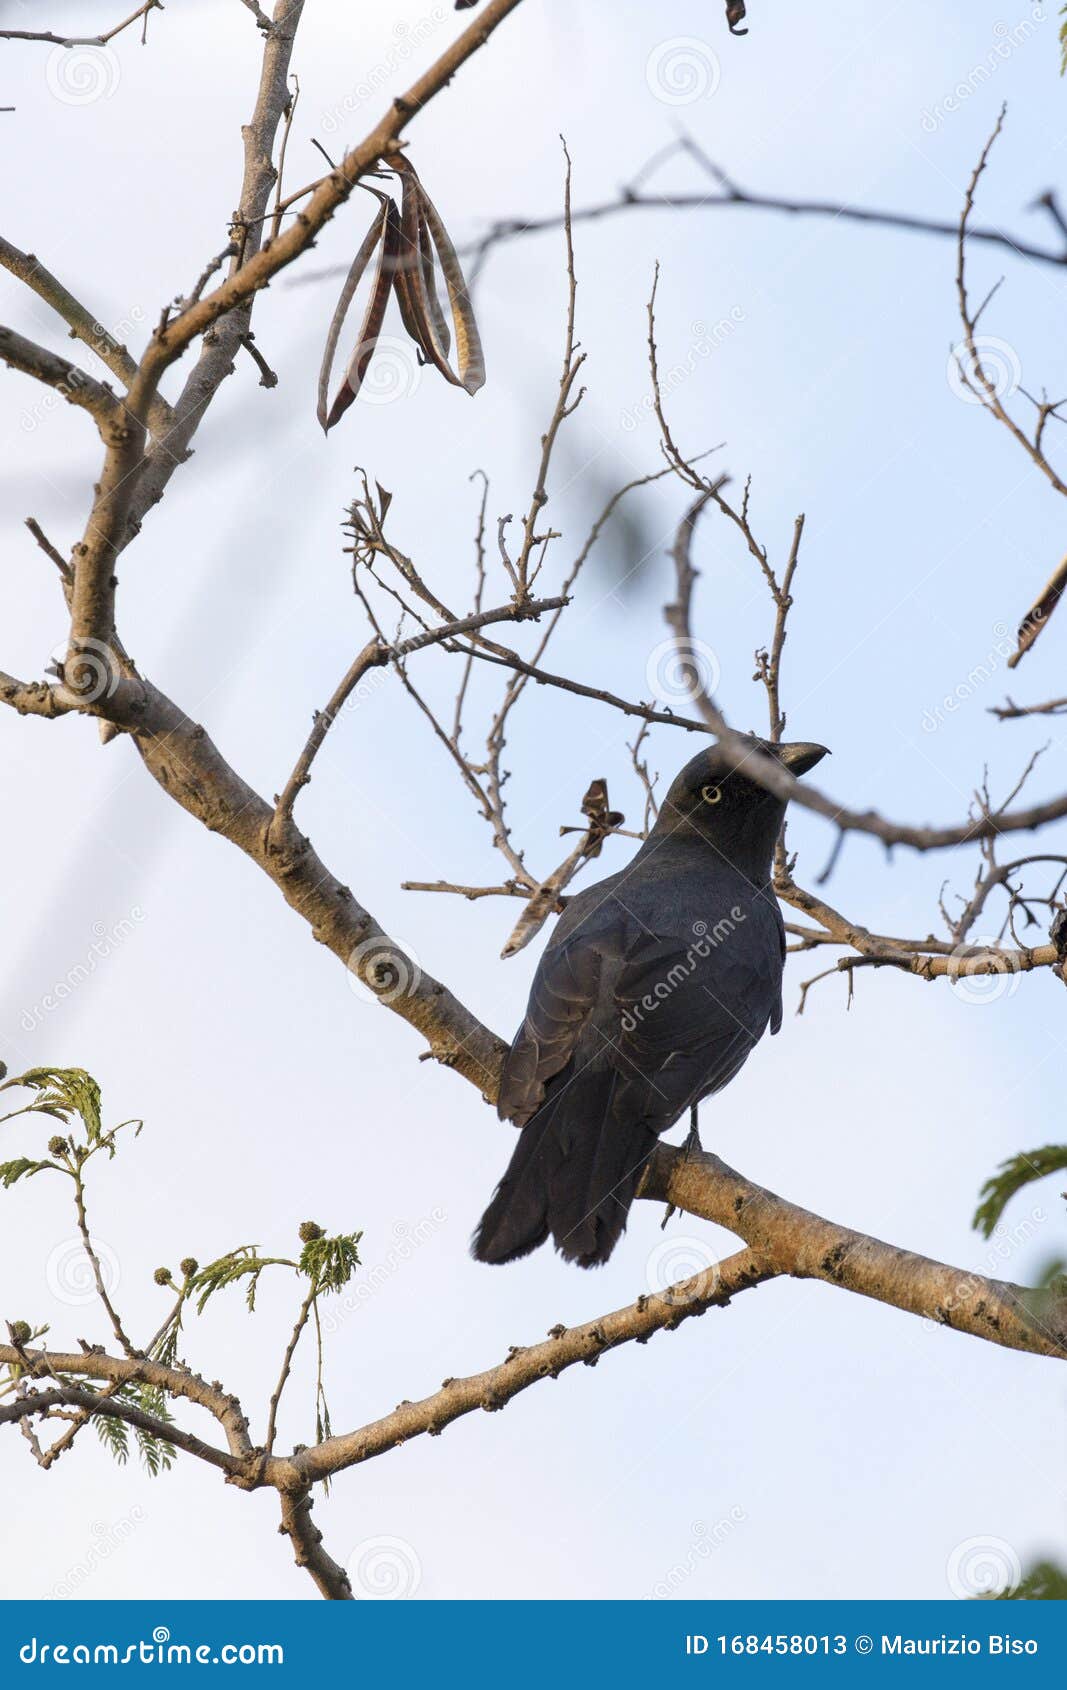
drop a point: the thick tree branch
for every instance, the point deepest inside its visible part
(81, 323)
(32, 698)
(330, 1577)
(188, 766)
(93, 1406)
(525, 1366)
(72, 383)
(804, 1245)
(56, 1366)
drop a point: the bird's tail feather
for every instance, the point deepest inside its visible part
(573, 1175)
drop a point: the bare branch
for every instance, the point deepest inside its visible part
(72, 383)
(84, 40)
(330, 1577)
(730, 197)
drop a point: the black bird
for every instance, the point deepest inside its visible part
(656, 985)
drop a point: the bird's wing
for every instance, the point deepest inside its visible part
(688, 1017)
(562, 998)
(675, 1019)
(776, 1011)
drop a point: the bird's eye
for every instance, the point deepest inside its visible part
(711, 794)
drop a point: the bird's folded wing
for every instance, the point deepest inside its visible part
(687, 1019)
(562, 998)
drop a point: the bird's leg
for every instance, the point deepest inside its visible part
(692, 1143)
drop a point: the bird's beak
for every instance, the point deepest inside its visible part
(801, 757)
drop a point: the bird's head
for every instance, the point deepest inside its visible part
(715, 799)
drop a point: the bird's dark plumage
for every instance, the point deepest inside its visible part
(656, 985)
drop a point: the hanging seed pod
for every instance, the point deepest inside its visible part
(383, 235)
(424, 234)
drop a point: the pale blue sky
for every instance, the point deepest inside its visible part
(851, 1448)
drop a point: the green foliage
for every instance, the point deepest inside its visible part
(66, 1095)
(243, 1264)
(157, 1455)
(1011, 1177)
(1063, 42)
(62, 1093)
(72, 1097)
(114, 1435)
(23, 1168)
(330, 1262)
(1045, 1582)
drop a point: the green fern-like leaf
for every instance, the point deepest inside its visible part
(62, 1093)
(1011, 1177)
(115, 1436)
(23, 1168)
(243, 1264)
(157, 1453)
(330, 1262)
